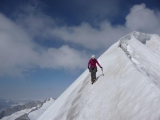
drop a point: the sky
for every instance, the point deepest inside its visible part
(46, 44)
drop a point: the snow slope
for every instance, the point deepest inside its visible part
(129, 90)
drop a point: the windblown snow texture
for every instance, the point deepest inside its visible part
(130, 89)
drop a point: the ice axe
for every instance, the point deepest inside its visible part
(102, 71)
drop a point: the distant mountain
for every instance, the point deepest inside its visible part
(20, 112)
(6, 104)
(39, 111)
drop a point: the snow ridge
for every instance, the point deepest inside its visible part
(129, 43)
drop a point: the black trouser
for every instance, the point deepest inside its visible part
(93, 73)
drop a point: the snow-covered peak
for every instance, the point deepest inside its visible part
(143, 56)
(129, 89)
(142, 37)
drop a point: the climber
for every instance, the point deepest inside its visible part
(93, 68)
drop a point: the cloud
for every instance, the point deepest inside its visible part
(64, 57)
(89, 37)
(40, 25)
(140, 18)
(37, 23)
(143, 19)
(32, 18)
(15, 48)
(18, 52)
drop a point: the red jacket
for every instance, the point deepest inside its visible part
(92, 63)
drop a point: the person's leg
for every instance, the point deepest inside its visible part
(94, 73)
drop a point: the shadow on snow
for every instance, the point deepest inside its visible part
(98, 77)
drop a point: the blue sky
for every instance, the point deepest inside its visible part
(46, 44)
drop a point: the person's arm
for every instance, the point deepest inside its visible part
(88, 64)
(98, 64)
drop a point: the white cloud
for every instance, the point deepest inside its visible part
(143, 19)
(140, 18)
(41, 25)
(64, 57)
(19, 53)
(90, 37)
(34, 21)
(15, 48)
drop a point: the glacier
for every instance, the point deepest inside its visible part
(129, 89)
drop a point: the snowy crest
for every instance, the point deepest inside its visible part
(129, 89)
(143, 56)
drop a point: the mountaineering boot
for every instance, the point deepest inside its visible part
(92, 81)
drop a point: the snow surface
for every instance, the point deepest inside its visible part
(129, 89)
(35, 114)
